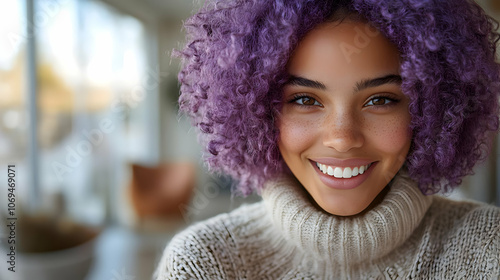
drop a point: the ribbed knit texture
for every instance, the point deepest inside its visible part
(406, 236)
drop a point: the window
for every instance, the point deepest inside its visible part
(96, 97)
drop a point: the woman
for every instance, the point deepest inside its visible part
(346, 116)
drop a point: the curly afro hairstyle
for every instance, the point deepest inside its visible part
(234, 67)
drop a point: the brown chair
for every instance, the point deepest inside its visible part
(161, 191)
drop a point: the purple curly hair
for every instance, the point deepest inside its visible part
(234, 67)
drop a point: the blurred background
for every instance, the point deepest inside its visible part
(106, 170)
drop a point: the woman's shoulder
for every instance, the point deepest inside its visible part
(464, 236)
(212, 249)
(222, 228)
(471, 222)
(473, 215)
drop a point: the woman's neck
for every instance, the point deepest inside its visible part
(387, 223)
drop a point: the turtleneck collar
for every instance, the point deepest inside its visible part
(340, 240)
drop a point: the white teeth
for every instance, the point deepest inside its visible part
(345, 173)
(330, 171)
(337, 173)
(355, 171)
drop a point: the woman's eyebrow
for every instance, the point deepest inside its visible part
(300, 81)
(364, 84)
(389, 79)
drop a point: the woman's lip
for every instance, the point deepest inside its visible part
(352, 162)
(343, 183)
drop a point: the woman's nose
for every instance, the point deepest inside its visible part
(343, 131)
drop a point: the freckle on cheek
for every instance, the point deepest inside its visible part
(392, 136)
(398, 136)
(294, 134)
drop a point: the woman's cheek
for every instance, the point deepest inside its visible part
(296, 134)
(392, 135)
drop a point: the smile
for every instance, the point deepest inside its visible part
(339, 172)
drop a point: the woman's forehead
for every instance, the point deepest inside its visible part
(344, 52)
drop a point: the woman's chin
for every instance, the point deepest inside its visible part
(348, 207)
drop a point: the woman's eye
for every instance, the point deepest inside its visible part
(379, 101)
(307, 101)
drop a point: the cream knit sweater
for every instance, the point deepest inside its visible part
(406, 236)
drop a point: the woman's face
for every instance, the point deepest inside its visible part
(344, 128)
